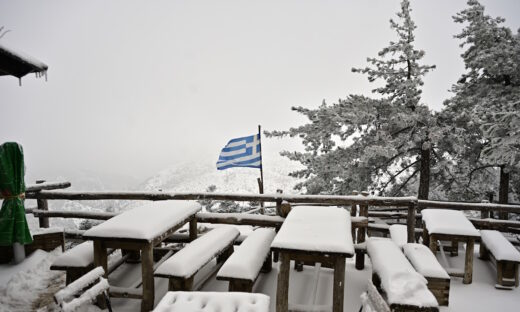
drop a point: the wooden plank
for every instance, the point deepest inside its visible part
(282, 290)
(309, 199)
(339, 284)
(46, 186)
(468, 206)
(147, 278)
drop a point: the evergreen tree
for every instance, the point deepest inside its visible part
(486, 103)
(384, 143)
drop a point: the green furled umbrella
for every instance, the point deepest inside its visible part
(13, 224)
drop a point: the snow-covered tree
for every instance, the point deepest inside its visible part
(486, 103)
(384, 143)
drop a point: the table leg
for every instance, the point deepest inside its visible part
(468, 263)
(147, 278)
(193, 229)
(100, 259)
(433, 243)
(282, 291)
(339, 284)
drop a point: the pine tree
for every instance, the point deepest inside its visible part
(486, 103)
(382, 143)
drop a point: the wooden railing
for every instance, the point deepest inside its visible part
(403, 209)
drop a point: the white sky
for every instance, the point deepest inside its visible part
(135, 86)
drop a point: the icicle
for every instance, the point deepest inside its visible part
(20, 81)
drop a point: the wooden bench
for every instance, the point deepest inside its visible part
(181, 268)
(89, 286)
(396, 280)
(244, 265)
(424, 261)
(179, 301)
(76, 261)
(504, 255)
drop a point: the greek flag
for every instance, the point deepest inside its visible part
(241, 152)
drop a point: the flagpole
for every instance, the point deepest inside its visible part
(261, 179)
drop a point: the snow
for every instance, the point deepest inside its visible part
(75, 287)
(246, 262)
(159, 217)
(88, 296)
(40, 230)
(213, 302)
(81, 255)
(499, 246)
(445, 221)
(401, 283)
(196, 254)
(399, 234)
(424, 261)
(24, 57)
(311, 228)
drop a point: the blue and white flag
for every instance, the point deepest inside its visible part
(241, 152)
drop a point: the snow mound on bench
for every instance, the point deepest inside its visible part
(195, 301)
(196, 254)
(401, 283)
(499, 246)
(81, 256)
(424, 261)
(246, 262)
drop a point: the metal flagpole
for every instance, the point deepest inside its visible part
(261, 179)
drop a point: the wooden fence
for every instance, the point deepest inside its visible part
(386, 210)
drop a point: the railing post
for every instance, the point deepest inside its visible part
(361, 234)
(412, 207)
(43, 205)
(279, 203)
(353, 209)
(484, 213)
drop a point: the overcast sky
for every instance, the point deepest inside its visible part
(135, 86)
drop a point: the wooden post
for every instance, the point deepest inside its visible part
(282, 290)
(261, 179)
(100, 259)
(339, 284)
(411, 222)
(353, 209)
(503, 192)
(484, 213)
(193, 229)
(361, 235)
(147, 278)
(468, 263)
(279, 203)
(43, 205)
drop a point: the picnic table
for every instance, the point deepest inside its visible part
(140, 229)
(314, 234)
(450, 225)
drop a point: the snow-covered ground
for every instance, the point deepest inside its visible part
(30, 285)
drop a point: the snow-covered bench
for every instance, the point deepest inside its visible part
(397, 281)
(244, 265)
(504, 254)
(67, 298)
(181, 268)
(399, 234)
(194, 301)
(76, 261)
(424, 261)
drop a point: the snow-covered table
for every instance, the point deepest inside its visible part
(314, 234)
(450, 225)
(140, 229)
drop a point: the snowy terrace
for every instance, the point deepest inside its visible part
(31, 285)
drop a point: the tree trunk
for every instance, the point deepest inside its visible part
(503, 190)
(424, 176)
